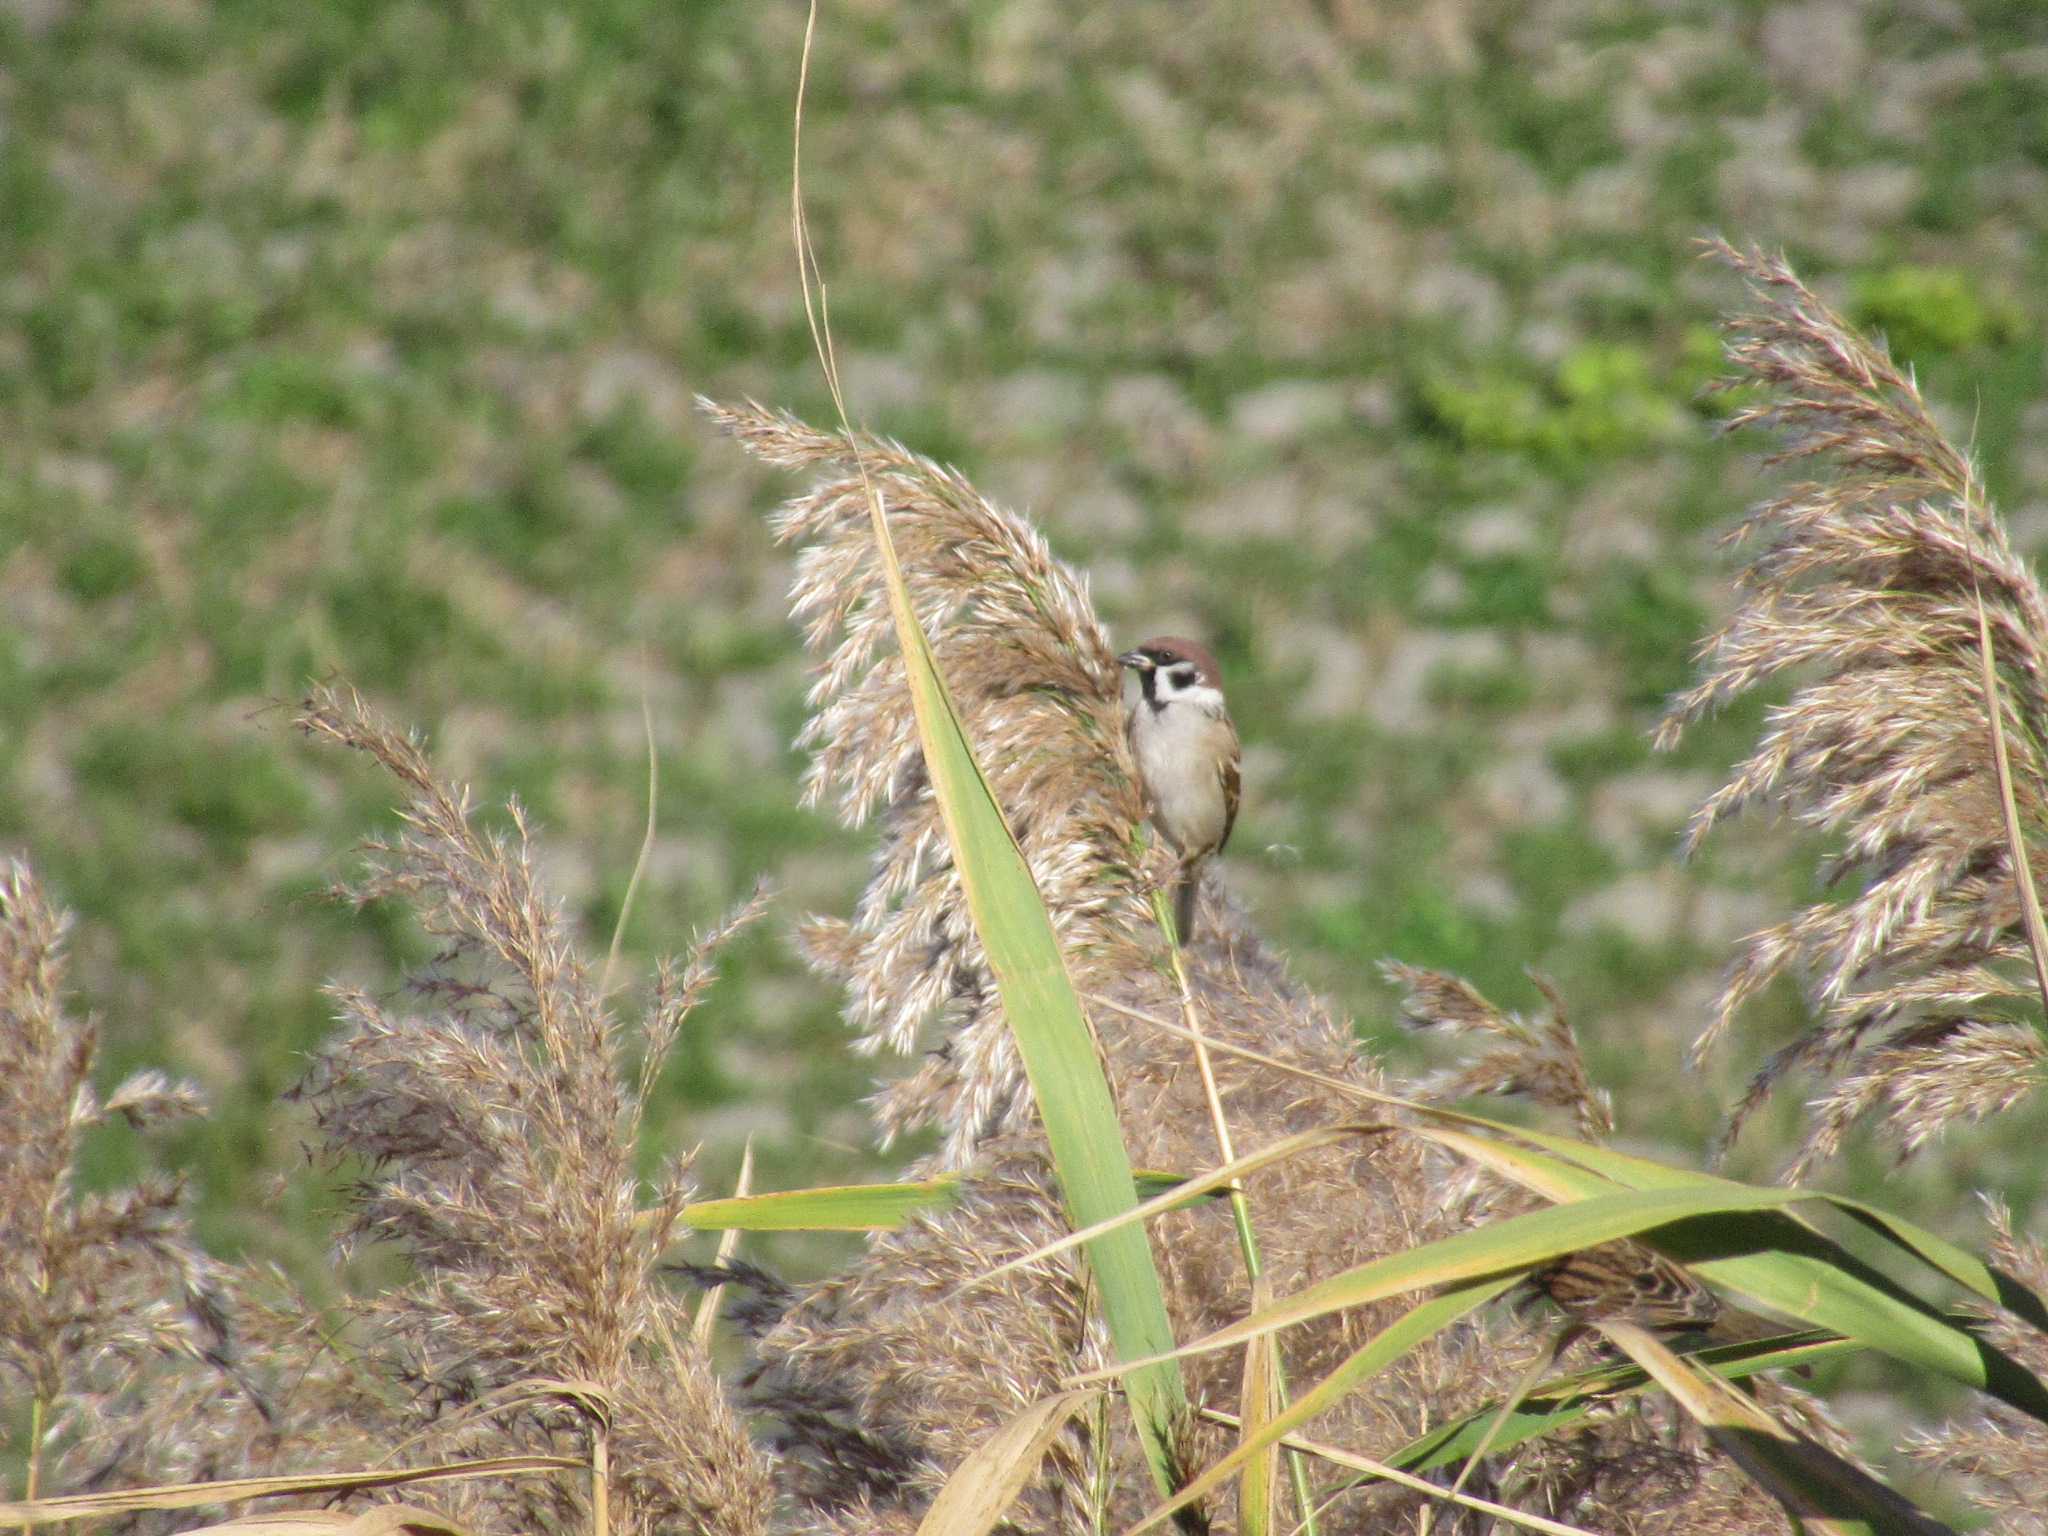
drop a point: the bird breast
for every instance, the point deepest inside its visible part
(1179, 751)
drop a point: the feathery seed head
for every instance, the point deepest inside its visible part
(1866, 580)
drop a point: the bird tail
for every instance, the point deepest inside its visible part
(1184, 903)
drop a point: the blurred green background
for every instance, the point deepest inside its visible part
(358, 339)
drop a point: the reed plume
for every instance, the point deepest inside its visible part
(496, 1117)
(1037, 683)
(101, 1296)
(491, 1113)
(1539, 1060)
(1863, 582)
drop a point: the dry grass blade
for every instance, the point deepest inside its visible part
(377, 1520)
(94, 1506)
(707, 1309)
(1258, 1486)
(1336, 1456)
(983, 1487)
(1885, 584)
(611, 958)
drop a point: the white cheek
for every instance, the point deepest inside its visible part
(1201, 695)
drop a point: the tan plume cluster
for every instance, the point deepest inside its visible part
(496, 1116)
(841, 1369)
(491, 1115)
(1864, 583)
(102, 1297)
(1038, 686)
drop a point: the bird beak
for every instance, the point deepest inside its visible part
(1136, 660)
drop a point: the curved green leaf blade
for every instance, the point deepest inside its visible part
(1382, 1350)
(1515, 1244)
(1053, 1037)
(1781, 1263)
(856, 1207)
(1554, 1404)
(1958, 1264)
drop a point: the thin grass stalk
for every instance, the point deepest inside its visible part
(611, 959)
(1240, 1207)
(2022, 867)
(228, 1490)
(1379, 1471)
(39, 1410)
(728, 1244)
(1524, 1385)
(36, 1414)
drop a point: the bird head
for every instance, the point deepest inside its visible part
(1171, 668)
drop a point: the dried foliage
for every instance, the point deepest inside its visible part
(492, 1122)
(852, 1426)
(1864, 584)
(849, 1373)
(498, 1124)
(1538, 1061)
(100, 1295)
(2002, 1456)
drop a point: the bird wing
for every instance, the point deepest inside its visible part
(1131, 737)
(1233, 785)
(1628, 1281)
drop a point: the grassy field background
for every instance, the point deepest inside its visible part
(1365, 340)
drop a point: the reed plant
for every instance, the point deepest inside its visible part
(1456, 1323)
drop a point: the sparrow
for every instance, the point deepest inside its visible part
(1627, 1281)
(1632, 1283)
(1187, 755)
